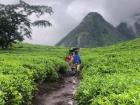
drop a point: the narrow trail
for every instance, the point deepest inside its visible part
(58, 93)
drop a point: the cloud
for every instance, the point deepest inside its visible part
(80, 8)
(121, 10)
(69, 13)
(8, 1)
(61, 21)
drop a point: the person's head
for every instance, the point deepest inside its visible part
(75, 48)
(76, 52)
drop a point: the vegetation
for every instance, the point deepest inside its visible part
(111, 75)
(23, 68)
(15, 23)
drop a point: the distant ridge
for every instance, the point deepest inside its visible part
(131, 28)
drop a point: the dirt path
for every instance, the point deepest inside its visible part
(58, 93)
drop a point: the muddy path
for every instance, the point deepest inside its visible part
(57, 93)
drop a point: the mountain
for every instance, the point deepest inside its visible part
(126, 30)
(93, 31)
(131, 27)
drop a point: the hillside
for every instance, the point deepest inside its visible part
(105, 73)
(93, 31)
(111, 75)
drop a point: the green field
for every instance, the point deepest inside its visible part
(110, 75)
(23, 68)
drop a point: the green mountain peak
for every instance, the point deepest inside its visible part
(93, 31)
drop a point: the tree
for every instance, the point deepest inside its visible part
(15, 24)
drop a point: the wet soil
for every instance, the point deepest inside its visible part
(57, 93)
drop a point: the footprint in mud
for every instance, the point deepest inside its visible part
(64, 103)
(61, 103)
(68, 95)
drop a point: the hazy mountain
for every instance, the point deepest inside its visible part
(131, 27)
(126, 30)
(93, 31)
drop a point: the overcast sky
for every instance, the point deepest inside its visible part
(69, 13)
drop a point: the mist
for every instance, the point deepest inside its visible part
(69, 13)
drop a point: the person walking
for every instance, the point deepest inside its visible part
(76, 61)
(69, 58)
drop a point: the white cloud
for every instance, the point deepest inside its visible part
(121, 10)
(69, 13)
(80, 8)
(8, 1)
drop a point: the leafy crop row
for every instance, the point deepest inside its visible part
(111, 76)
(23, 69)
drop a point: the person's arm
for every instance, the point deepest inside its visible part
(80, 59)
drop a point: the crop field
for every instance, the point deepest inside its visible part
(109, 75)
(23, 68)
